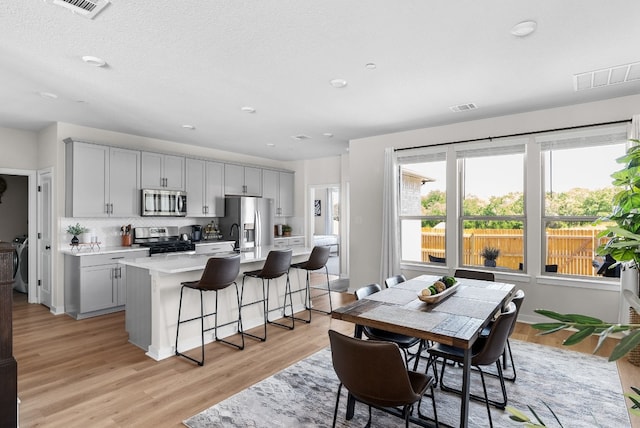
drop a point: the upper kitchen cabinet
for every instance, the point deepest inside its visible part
(160, 171)
(101, 181)
(278, 185)
(242, 180)
(205, 188)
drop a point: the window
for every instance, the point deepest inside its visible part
(423, 195)
(577, 190)
(492, 201)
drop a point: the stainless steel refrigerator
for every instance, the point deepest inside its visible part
(248, 221)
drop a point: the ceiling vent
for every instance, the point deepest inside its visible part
(301, 137)
(87, 8)
(605, 77)
(463, 107)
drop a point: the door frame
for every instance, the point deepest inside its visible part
(310, 220)
(32, 229)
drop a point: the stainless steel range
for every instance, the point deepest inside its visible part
(162, 240)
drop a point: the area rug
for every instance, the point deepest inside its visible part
(583, 390)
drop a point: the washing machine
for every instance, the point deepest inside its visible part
(21, 277)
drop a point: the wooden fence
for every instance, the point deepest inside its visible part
(572, 250)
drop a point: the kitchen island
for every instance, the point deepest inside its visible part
(153, 294)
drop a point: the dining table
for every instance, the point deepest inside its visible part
(455, 319)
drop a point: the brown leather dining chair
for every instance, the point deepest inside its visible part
(317, 260)
(275, 266)
(374, 374)
(219, 273)
(485, 352)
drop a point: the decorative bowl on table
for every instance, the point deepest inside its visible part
(440, 289)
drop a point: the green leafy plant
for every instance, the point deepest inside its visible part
(76, 229)
(624, 234)
(490, 253)
(286, 228)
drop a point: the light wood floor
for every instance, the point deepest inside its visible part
(85, 373)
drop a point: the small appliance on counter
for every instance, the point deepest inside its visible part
(196, 233)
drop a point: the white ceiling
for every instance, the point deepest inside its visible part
(172, 63)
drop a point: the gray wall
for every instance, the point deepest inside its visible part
(14, 208)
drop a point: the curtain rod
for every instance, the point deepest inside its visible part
(521, 134)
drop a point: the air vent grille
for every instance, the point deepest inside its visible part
(87, 8)
(463, 107)
(607, 76)
(301, 137)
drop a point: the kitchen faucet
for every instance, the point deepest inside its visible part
(237, 243)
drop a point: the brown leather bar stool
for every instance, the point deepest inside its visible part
(277, 264)
(317, 260)
(219, 273)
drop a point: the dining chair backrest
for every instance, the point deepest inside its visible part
(517, 300)
(435, 259)
(474, 274)
(394, 280)
(497, 340)
(318, 258)
(277, 264)
(367, 290)
(220, 272)
(373, 371)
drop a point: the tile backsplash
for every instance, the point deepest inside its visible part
(107, 230)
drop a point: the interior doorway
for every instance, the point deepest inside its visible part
(18, 211)
(325, 224)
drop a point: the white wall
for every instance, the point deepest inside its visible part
(366, 172)
(18, 149)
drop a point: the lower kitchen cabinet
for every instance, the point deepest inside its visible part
(289, 242)
(94, 284)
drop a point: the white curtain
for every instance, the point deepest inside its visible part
(390, 254)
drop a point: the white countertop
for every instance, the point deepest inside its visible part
(86, 250)
(170, 264)
(213, 242)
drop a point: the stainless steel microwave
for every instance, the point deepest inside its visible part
(164, 203)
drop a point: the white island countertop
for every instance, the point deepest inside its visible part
(172, 264)
(91, 250)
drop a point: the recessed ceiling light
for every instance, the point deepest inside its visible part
(524, 28)
(191, 127)
(248, 109)
(48, 95)
(270, 145)
(94, 60)
(328, 134)
(370, 66)
(338, 83)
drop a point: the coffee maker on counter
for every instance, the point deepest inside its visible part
(196, 233)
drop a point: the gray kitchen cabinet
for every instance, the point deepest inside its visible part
(161, 171)
(215, 248)
(279, 186)
(101, 181)
(205, 188)
(95, 283)
(240, 180)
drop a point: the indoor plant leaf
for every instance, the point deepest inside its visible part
(625, 346)
(578, 336)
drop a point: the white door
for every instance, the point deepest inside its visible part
(45, 234)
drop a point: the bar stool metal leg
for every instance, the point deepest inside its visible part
(287, 292)
(264, 310)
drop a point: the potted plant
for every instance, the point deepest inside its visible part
(623, 230)
(286, 230)
(490, 254)
(76, 230)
